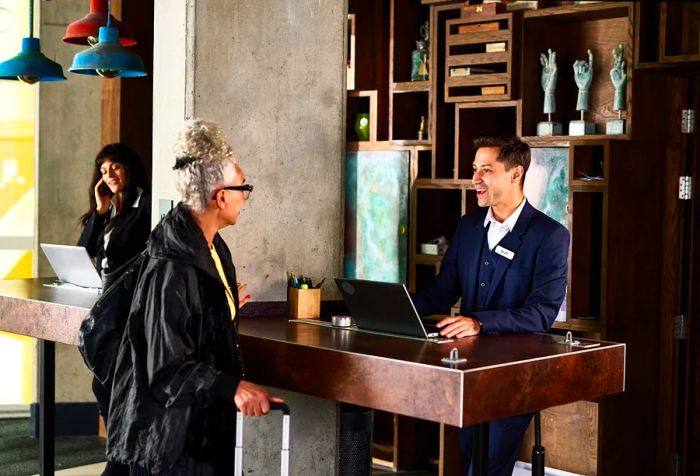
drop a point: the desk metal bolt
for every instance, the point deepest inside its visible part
(569, 340)
(454, 358)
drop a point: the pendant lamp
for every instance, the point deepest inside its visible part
(29, 65)
(108, 58)
(86, 30)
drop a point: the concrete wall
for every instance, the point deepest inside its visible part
(271, 74)
(69, 119)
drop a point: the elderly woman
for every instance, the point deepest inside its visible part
(179, 373)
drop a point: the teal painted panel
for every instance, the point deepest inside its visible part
(547, 189)
(547, 182)
(376, 215)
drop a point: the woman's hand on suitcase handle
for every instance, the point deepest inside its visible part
(252, 399)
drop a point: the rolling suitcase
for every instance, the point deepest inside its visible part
(284, 408)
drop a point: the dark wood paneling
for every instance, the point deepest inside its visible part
(691, 444)
(127, 104)
(628, 439)
(671, 150)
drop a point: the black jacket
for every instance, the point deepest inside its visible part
(128, 238)
(179, 361)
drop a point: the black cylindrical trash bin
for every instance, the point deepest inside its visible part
(355, 440)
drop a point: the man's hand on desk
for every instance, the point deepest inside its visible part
(459, 326)
(253, 400)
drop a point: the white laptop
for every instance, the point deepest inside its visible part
(72, 266)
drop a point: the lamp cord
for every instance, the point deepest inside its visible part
(31, 18)
(109, 12)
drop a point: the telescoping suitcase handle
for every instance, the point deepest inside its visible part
(284, 470)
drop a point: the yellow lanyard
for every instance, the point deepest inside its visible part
(222, 275)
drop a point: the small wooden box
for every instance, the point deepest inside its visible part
(492, 8)
(304, 303)
(474, 27)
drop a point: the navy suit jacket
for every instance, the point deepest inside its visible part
(526, 291)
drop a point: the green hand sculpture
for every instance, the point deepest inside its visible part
(583, 74)
(549, 79)
(618, 76)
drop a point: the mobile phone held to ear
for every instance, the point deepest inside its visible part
(104, 190)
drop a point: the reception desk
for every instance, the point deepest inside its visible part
(504, 374)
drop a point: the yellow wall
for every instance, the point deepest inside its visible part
(17, 199)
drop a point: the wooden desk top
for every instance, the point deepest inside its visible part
(505, 374)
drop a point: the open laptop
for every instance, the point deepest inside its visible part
(384, 307)
(72, 266)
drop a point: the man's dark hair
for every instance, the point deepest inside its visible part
(513, 151)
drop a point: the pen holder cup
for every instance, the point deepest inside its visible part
(304, 303)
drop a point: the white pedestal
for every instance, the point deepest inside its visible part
(615, 126)
(548, 128)
(581, 128)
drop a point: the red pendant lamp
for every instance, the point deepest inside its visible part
(86, 30)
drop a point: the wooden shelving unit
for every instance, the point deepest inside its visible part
(667, 35)
(489, 74)
(602, 173)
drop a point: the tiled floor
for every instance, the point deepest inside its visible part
(96, 470)
(91, 470)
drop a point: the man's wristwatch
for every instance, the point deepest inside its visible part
(481, 325)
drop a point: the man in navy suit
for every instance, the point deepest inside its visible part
(508, 263)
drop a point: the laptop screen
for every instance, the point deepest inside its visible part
(72, 265)
(382, 307)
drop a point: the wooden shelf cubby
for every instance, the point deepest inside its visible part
(600, 27)
(473, 119)
(472, 71)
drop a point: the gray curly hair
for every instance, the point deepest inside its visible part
(201, 158)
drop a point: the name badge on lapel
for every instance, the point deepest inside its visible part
(504, 252)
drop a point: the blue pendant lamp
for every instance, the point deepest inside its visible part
(30, 65)
(108, 58)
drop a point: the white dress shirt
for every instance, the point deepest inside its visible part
(498, 229)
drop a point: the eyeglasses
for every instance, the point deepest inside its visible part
(245, 188)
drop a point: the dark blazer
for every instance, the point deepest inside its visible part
(526, 291)
(131, 230)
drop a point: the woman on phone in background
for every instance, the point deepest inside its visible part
(118, 222)
(115, 229)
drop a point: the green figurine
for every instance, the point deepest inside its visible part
(618, 76)
(549, 86)
(583, 75)
(419, 57)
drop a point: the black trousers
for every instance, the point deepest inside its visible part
(102, 395)
(194, 468)
(505, 439)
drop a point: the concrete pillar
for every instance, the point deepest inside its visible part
(313, 438)
(271, 73)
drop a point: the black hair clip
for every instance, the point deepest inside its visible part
(180, 162)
